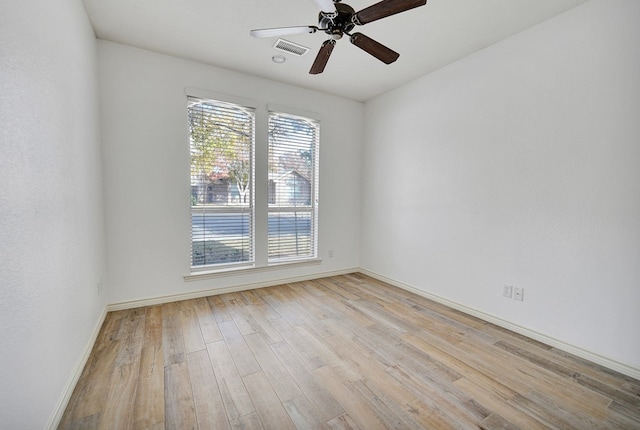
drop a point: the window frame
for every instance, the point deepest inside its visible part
(313, 207)
(259, 192)
(249, 107)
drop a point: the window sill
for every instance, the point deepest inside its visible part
(234, 271)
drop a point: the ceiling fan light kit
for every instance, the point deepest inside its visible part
(337, 19)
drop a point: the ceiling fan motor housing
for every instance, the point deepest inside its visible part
(339, 24)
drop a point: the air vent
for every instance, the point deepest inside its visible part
(290, 47)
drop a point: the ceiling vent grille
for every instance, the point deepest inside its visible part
(290, 47)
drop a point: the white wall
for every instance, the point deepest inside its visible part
(145, 139)
(519, 165)
(51, 223)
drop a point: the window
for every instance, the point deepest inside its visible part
(293, 195)
(221, 138)
(223, 166)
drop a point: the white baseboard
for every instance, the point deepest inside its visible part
(54, 422)
(211, 292)
(548, 340)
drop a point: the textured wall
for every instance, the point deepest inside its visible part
(519, 165)
(51, 230)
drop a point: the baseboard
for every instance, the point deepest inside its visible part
(211, 292)
(54, 422)
(541, 337)
(548, 340)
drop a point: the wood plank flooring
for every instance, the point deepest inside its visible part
(347, 352)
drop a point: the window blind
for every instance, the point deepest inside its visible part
(293, 194)
(222, 137)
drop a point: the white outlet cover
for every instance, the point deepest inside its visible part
(507, 291)
(518, 294)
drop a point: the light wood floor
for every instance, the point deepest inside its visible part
(347, 352)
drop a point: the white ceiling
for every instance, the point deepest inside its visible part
(217, 32)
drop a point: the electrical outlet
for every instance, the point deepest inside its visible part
(507, 291)
(100, 286)
(518, 294)
(331, 253)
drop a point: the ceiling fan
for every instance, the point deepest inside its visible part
(337, 19)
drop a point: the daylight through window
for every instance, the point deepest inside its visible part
(293, 158)
(222, 183)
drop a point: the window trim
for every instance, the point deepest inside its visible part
(237, 270)
(226, 98)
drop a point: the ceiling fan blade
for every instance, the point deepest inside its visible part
(326, 6)
(374, 48)
(283, 31)
(384, 9)
(323, 56)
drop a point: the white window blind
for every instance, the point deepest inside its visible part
(221, 140)
(293, 194)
